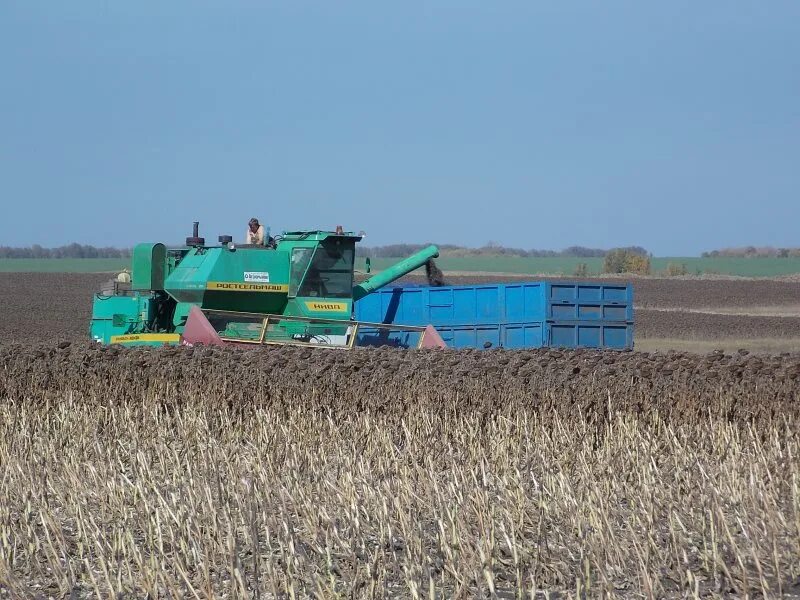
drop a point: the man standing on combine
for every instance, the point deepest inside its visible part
(255, 233)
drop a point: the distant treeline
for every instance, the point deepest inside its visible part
(389, 251)
(71, 251)
(491, 249)
(754, 252)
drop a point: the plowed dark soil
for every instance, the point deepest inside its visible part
(48, 306)
(698, 325)
(700, 294)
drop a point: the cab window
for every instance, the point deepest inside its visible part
(300, 259)
(330, 273)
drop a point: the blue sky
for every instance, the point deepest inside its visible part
(673, 125)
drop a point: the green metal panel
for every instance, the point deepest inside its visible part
(180, 315)
(242, 279)
(149, 265)
(119, 315)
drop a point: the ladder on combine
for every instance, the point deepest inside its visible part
(223, 327)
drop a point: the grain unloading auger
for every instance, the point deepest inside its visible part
(299, 291)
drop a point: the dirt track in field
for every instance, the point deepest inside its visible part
(57, 306)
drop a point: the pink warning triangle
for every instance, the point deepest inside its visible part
(432, 339)
(199, 331)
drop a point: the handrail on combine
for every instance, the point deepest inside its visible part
(262, 325)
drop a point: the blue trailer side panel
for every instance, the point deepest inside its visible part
(589, 301)
(590, 334)
(455, 305)
(519, 335)
(511, 315)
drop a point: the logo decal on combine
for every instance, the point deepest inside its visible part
(235, 286)
(256, 276)
(145, 337)
(327, 306)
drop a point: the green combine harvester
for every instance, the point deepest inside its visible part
(298, 290)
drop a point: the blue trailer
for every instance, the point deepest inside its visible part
(530, 314)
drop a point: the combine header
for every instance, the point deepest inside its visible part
(297, 291)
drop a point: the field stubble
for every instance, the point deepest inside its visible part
(273, 472)
(284, 472)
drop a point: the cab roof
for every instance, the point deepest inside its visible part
(318, 235)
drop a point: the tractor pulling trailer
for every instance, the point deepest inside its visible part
(300, 290)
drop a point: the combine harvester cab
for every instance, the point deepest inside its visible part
(298, 291)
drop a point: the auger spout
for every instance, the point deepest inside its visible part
(396, 271)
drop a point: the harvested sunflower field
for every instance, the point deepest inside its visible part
(287, 472)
